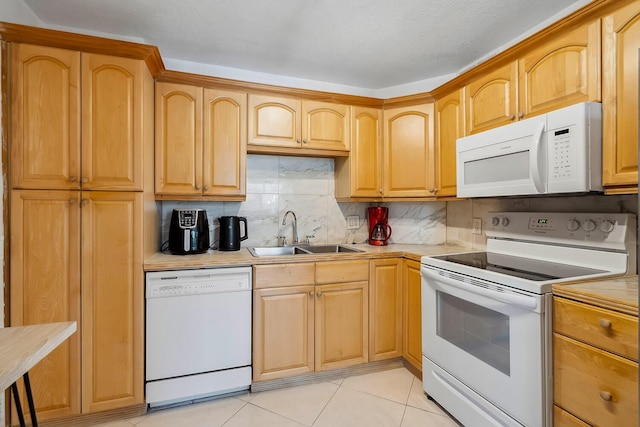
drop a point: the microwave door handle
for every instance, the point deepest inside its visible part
(534, 157)
(521, 301)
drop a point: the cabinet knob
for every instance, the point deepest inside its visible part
(433, 190)
(298, 140)
(72, 201)
(206, 188)
(605, 395)
(310, 293)
(85, 201)
(84, 180)
(72, 179)
(520, 114)
(512, 117)
(319, 294)
(605, 323)
(198, 187)
(304, 141)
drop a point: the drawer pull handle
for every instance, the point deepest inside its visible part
(605, 395)
(605, 323)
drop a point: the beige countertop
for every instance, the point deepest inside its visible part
(166, 261)
(21, 347)
(619, 294)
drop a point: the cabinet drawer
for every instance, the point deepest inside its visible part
(278, 275)
(598, 387)
(615, 332)
(564, 419)
(342, 271)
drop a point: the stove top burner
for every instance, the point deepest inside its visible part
(525, 268)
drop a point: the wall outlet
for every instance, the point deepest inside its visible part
(353, 222)
(477, 226)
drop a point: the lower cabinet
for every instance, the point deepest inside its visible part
(309, 317)
(595, 366)
(412, 314)
(385, 309)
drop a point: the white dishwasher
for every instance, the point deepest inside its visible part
(198, 334)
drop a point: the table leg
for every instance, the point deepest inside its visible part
(32, 406)
(16, 398)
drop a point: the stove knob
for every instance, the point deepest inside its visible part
(606, 226)
(589, 226)
(504, 221)
(495, 221)
(573, 225)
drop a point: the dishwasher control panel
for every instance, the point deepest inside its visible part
(194, 282)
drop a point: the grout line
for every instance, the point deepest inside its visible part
(329, 400)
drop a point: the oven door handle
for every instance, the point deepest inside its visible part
(521, 301)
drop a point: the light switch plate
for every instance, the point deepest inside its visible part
(353, 222)
(477, 226)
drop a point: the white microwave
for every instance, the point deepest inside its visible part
(557, 152)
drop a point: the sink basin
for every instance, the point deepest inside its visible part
(276, 251)
(259, 251)
(326, 249)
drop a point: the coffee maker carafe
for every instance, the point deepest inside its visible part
(379, 229)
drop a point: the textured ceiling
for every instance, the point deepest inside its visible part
(361, 43)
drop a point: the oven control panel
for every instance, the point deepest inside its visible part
(589, 229)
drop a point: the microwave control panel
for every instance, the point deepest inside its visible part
(560, 146)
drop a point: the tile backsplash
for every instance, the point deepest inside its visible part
(276, 184)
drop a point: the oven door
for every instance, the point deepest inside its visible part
(486, 349)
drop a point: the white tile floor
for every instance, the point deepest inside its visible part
(392, 398)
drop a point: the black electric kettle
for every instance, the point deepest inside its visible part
(230, 237)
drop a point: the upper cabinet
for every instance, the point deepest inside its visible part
(449, 127)
(408, 153)
(621, 39)
(294, 124)
(49, 147)
(360, 174)
(561, 71)
(200, 142)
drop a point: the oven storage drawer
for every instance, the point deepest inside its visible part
(606, 329)
(599, 387)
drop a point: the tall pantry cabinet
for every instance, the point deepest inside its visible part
(82, 218)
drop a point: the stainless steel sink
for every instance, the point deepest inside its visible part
(260, 251)
(326, 249)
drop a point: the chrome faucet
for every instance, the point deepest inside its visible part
(295, 225)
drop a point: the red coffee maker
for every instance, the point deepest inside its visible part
(379, 229)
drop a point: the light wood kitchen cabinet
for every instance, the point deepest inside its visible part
(412, 314)
(283, 331)
(595, 354)
(561, 71)
(48, 149)
(621, 38)
(294, 123)
(408, 155)
(45, 288)
(385, 309)
(449, 127)
(200, 141)
(323, 307)
(360, 174)
(112, 289)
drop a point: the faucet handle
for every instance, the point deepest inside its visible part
(282, 241)
(308, 237)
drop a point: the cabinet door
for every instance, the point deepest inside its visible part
(621, 39)
(112, 123)
(45, 288)
(562, 72)
(45, 117)
(449, 127)
(274, 121)
(408, 152)
(225, 143)
(491, 99)
(385, 309)
(178, 139)
(282, 332)
(412, 314)
(341, 325)
(325, 126)
(112, 301)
